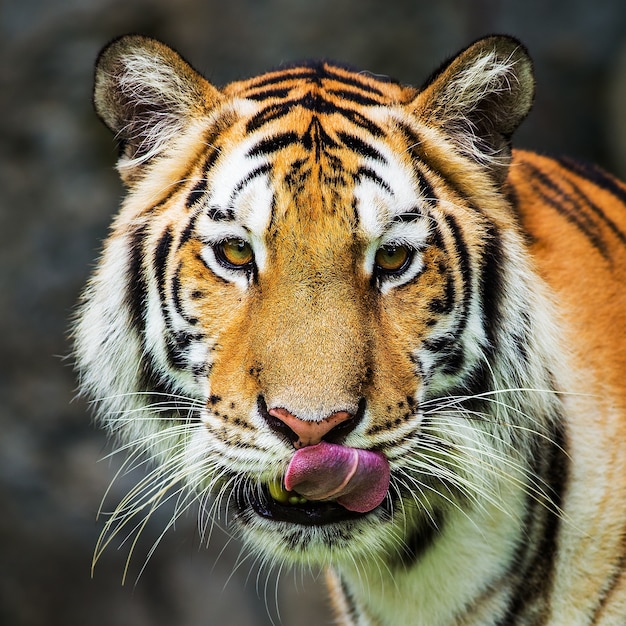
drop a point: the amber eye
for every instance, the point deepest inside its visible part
(392, 259)
(234, 253)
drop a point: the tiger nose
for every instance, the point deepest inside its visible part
(303, 433)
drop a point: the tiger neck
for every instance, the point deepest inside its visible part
(478, 562)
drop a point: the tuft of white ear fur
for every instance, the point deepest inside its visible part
(147, 94)
(479, 98)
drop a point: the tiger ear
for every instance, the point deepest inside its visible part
(147, 94)
(479, 98)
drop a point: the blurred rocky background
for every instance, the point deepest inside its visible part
(58, 191)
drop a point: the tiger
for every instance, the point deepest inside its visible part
(345, 313)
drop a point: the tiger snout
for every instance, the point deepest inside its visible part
(303, 433)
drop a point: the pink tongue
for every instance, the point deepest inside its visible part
(356, 479)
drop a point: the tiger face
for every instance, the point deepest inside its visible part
(317, 309)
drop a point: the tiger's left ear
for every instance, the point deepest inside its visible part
(147, 94)
(479, 98)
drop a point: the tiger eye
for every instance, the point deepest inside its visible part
(235, 252)
(392, 258)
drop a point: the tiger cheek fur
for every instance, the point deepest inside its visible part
(327, 280)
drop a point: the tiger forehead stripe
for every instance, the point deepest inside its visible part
(288, 78)
(362, 147)
(315, 103)
(320, 89)
(275, 143)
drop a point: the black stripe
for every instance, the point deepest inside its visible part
(353, 96)
(188, 230)
(175, 357)
(210, 160)
(137, 290)
(360, 120)
(266, 94)
(550, 464)
(200, 189)
(283, 76)
(176, 341)
(352, 142)
(273, 144)
(201, 370)
(512, 197)
(445, 304)
(354, 81)
(491, 284)
(411, 215)
(566, 205)
(268, 114)
(418, 155)
(296, 176)
(439, 344)
(177, 299)
(411, 138)
(454, 361)
(596, 175)
(414, 144)
(426, 189)
(149, 378)
(196, 193)
(161, 254)
(479, 380)
(414, 148)
(366, 172)
(448, 350)
(520, 337)
(219, 214)
(353, 612)
(315, 103)
(435, 236)
(315, 137)
(255, 173)
(162, 386)
(184, 339)
(465, 268)
(316, 72)
(420, 539)
(585, 201)
(215, 276)
(616, 576)
(448, 353)
(606, 182)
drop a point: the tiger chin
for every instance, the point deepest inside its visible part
(347, 311)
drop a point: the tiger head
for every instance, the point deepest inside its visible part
(313, 285)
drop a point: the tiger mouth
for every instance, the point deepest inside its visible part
(273, 502)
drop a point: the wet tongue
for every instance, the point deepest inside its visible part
(357, 479)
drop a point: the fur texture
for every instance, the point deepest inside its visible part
(317, 243)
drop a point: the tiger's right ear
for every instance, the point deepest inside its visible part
(479, 98)
(147, 95)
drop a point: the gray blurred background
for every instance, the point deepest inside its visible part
(58, 191)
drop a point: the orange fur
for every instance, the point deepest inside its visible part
(487, 370)
(591, 290)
